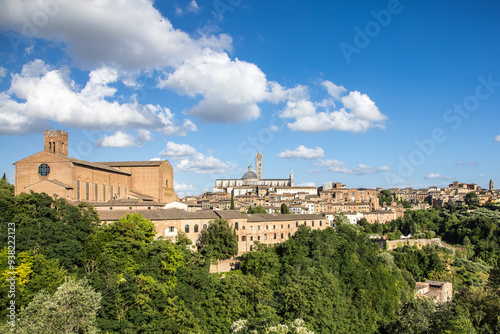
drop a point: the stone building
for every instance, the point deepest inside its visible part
(52, 171)
(440, 292)
(249, 228)
(252, 181)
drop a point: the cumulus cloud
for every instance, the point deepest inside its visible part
(190, 160)
(437, 176)
(334, 90)
(123, 139)
(358, 114)
(336, 166)
(130, 34)
(49, 95)
(303, 152)
(202, 164)
(184, 190)
(231, 89)
(178, 151)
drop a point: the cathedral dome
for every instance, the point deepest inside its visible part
(250, 174)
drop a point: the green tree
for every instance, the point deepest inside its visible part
(284, 209)
(413, 317)
(472, 199)
(256, 209)
(232, 202)
(385, 197)
(71, 309)
(52, 227)
(219, 240)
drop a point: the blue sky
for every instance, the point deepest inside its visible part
(367, 93)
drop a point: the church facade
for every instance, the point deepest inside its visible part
(52, 171)
(251, 180)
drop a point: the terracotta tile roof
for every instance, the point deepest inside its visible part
(168, 214)
(132, 163)
(97, 165)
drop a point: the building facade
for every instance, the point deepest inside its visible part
(251, 181)
(52, 171)
(267, 229)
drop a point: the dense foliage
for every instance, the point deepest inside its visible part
(119, 279)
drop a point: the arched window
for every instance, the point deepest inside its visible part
(251, 246)
(265, 236)
(296, 224)
(166, 183)
(313, 223)
(320, 223)
(186, 229)
(77, 190)
(204, 226)
(236, 226)
(289, 234)
(281, 235)
(274, 235)
(196, 228)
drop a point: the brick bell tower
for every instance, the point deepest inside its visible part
(55, 142)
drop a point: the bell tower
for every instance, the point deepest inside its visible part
(258, 164)
(55, 142)
(492, 186)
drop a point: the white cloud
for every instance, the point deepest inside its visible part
(178, 10)
(303, 152)
(202, 164)
(497, 139)
(362, 107)
(358, 114)
(339, 167)
(333, 166)
(178, 151)
(437, 176)
(124, 139)
(334, 90)
(189, 160)
(230, 89)
(184, 190)
(384, 168)
(470, 163)
(3, 73)
(130, 34)
(363, 170)
(193, 7)
(49, 95)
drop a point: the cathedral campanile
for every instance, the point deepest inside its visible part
(258, 165)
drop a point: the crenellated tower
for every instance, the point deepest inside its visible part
(55, 142)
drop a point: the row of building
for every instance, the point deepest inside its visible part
(117, 188)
